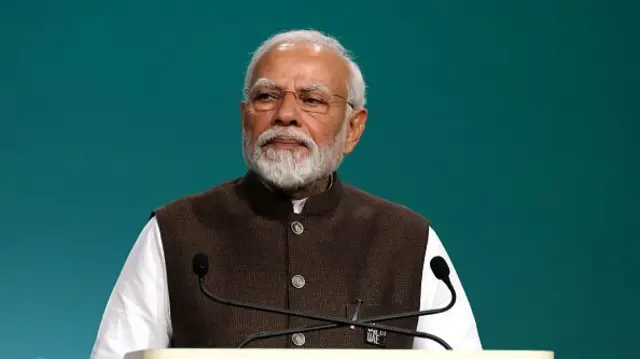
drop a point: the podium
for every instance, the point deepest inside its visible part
(333, 354)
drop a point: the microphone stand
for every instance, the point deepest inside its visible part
(337, 322)
(265, 335)
(269, 334)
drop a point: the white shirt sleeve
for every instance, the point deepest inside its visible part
(456, 326)
(137, 312)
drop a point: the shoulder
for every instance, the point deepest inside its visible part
(377, 206)
(222, 193)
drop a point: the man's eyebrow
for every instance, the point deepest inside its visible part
(315, 86)
(264, 82)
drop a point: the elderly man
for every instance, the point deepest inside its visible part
(289, 233)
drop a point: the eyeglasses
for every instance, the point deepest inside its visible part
(314, 100)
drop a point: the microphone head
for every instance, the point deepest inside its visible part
(200, 264)
(440, 268)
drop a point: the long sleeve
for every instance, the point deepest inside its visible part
(456, 326)
(137, 312)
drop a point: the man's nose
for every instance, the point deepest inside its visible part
(288, 111)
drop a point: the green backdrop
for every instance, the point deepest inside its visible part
(513, 125)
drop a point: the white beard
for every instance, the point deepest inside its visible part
(291, 169)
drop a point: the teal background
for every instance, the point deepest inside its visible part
(513, 125)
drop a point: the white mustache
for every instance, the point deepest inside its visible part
(286, 134)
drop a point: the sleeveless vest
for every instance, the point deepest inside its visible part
(346, 247)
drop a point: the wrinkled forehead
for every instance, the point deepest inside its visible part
(301, 66)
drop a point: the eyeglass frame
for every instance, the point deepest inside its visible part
(247, 92)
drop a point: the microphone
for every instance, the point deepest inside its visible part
(200, 264)
(440, 270)
(201, 268)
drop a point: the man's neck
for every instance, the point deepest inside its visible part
(313, 189)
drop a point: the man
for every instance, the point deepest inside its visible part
(289, 233)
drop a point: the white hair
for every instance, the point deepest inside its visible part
(355, 84)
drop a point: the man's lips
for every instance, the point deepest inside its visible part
(285, 143)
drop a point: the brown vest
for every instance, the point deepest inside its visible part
(346, 245)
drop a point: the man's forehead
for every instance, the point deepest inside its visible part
(302, 65)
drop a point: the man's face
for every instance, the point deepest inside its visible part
(294, 126)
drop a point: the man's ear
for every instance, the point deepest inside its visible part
(357, 121)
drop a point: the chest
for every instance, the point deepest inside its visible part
(322, 265)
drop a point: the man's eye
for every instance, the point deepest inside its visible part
(314, 101)
(265, 96)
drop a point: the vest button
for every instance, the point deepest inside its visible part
(297, 227)
(298, 281)
(298, 339)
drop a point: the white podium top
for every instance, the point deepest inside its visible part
(333, 354)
